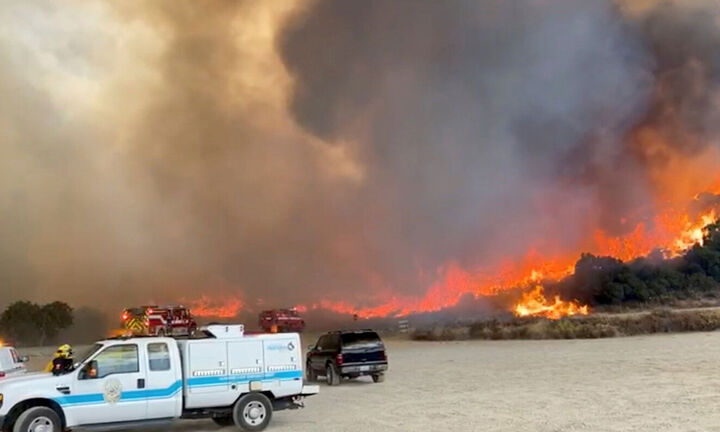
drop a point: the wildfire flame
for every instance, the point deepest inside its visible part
(534, 303)
(673, 233)
(215, 308)
(693, 233)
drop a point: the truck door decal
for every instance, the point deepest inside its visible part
(112, 391)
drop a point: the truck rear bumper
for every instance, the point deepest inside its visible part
(363, 369)
(297, 401)
(309, 390)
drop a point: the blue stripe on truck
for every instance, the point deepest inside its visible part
(243, 378)
(128, 396)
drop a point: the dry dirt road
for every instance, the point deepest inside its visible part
(650, 383)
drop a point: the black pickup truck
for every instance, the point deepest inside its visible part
(348, 354)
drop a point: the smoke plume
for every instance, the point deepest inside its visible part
(339, 153)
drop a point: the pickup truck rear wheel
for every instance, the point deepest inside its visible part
(378, 378)
(252, 412)
(332, 375)
(38, 419)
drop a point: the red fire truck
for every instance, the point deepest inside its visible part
(159, 320)
(281, 320)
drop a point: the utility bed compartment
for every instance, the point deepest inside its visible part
(217, 371)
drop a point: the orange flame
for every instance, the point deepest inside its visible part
(215, 308)
(693, 233)
(534, 303)
(672, 232)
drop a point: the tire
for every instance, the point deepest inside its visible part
(36, 417)
(378, 378)
(310, 373)
(332, 375)
(224, 420)
(252, 412)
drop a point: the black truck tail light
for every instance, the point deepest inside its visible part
(339, 359)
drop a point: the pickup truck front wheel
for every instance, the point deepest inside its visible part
(38, 419)
(311, 374)
(252, 412)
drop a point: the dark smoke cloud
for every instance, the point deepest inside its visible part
(415, 133)
(471, 115)
(683, 38)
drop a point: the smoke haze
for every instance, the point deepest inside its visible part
(292, 153)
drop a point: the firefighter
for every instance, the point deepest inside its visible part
(62, 362)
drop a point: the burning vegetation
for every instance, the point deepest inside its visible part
(534, 303)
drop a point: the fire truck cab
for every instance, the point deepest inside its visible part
(281, 321)
(160, 321)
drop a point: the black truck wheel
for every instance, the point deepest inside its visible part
(332, 375)
(378, 378)
(252, 412)
(310, 373)
(37, 419)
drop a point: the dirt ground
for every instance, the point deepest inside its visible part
(650, 383)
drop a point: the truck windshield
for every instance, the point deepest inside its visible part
(362, 340)
(135, 311)
(87, 354)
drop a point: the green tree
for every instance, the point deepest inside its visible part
(54, 317)
(20, 323)
(26, 323)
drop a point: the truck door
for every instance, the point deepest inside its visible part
(163, 382)
(322, 353)
(112, 390)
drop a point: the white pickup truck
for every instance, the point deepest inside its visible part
(226, 375)
(11, 364)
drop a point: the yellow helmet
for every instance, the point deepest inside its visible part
(64, 351)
